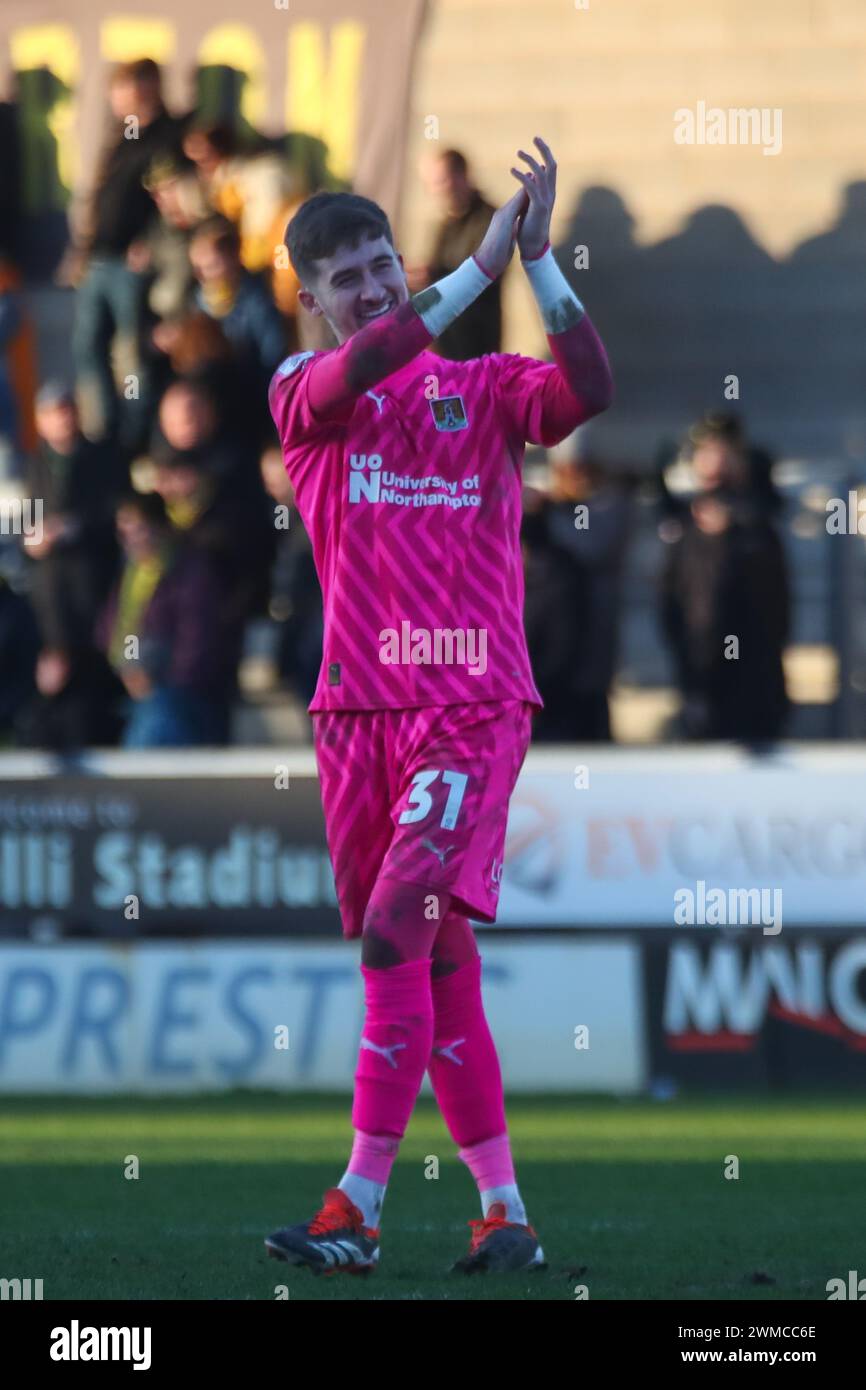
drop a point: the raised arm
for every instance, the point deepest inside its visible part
(575, 346)
(387, 344)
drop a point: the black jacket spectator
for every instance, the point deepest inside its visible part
(555, 612)
(122, 209)
(479, 328)
(725, 577)
(573, 574)
(78, 703)
(78, 491)
(19, 645)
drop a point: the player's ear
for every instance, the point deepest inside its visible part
(310, 303)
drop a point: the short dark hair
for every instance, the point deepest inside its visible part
(220, 232)
(149, 505)
(328, 221)
(197, 385)
(717, 424)
(457, 162)
(139, 70)
(219, 135)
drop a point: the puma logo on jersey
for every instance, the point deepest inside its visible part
(380, 400)
(440, 853)
(448, 1051)
(385, 1052)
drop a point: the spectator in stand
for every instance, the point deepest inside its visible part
(721, 455)
(17, 364)
(575, 540)
(181, 204)
(19, 647)
(10, 320)
(725, 594)
(193, 347)
(110, 303)
(190, 426)
(78, 702)
(553, 613)
(77, 483)
(161, 632)
(259, 192)
(234, 533)
(212, 148)
(465, 218)
(295, 597)
(242, 305)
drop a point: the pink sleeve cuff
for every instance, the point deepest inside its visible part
(528, 260)
(483, 268)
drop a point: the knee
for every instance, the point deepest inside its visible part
(442, 967)
(454, 947)
(377, 951)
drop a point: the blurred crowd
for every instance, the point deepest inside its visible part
(155, 465)
(723, 601)
(168, 531)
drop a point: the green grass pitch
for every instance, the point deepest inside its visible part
(628, 1196)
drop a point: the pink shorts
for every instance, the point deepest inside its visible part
(421, 796)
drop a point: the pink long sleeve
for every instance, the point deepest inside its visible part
(337, 378)
(587, 382)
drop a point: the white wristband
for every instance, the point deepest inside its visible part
(442, 303)
(559, 305)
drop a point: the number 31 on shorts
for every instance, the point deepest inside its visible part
(421, 801)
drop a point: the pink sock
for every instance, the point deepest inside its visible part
(373, 1156)
(490, 1163)
(464, 1066)
(395, 1047)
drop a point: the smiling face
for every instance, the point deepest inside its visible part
(356, 285)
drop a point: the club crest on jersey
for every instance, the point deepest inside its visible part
(449, 413)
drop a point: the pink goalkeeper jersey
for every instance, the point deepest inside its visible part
(412, 502)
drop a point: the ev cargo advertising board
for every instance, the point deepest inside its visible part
(689, 841)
